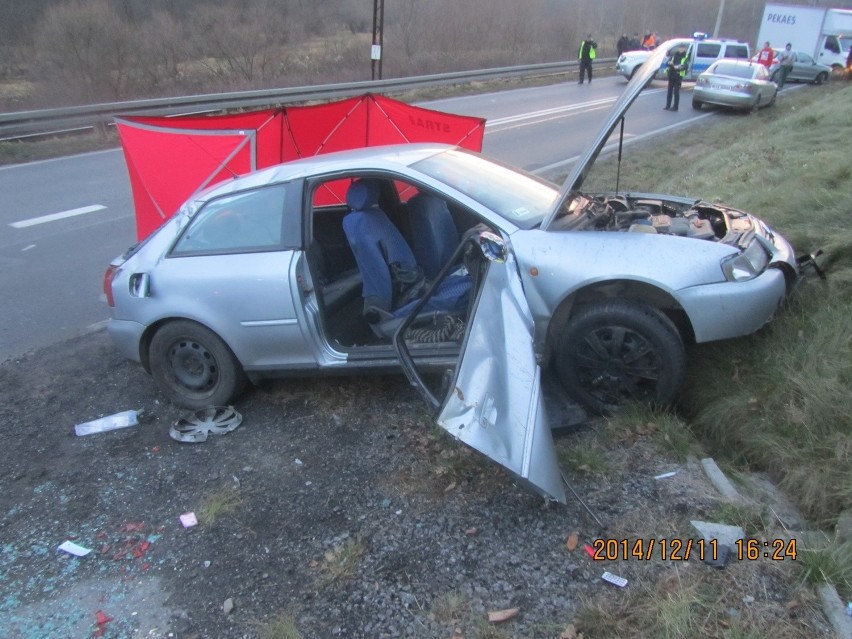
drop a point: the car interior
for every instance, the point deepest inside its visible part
(376, 246)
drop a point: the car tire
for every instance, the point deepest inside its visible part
(821, 77)
(772, 101)
(756, 105)
(618, 352)
(696, 104)
(193, 367)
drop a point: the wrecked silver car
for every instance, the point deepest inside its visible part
(470, 274)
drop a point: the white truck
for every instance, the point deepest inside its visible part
(826, 34)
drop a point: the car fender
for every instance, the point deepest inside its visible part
(557, 265)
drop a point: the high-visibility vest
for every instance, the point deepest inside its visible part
(592, 53)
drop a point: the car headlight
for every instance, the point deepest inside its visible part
(746, 265)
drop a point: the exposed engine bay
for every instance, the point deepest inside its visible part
(696, 219)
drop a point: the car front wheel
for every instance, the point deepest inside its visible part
(619, 351)
(822, 77)
(193, 366)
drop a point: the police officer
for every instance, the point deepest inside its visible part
(586, 54)
(675, 70)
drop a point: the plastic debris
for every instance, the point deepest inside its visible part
(666, 475)
(499, 616)
(216, 420)
(110, 422)
(621, 582)
(101, 620)
(74, 549)
(188, 520)
(572, 541)
(589, 550)
(228, 606)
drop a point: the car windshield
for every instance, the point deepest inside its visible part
(734, 70)
(521, 198)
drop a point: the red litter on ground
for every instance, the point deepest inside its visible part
(589, 550)
(101, 620)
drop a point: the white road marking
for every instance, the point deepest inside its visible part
(628, 140)
(545, 113)
(57, 216)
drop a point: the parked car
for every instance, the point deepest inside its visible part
(805, 68)
(738, 84)
(701, 52)
(261, 277)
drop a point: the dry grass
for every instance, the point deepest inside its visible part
(282, 626)
(341, 562)
(697, 602)
(216, 505)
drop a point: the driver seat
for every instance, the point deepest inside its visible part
(392, 279)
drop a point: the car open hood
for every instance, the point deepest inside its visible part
(641, 78)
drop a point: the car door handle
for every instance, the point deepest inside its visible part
(140, 285)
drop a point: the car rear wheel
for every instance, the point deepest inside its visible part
(618, 352)
(696, 104)
(193, 366)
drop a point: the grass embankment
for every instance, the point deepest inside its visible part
(779, 400)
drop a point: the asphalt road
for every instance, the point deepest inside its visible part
(63, 220)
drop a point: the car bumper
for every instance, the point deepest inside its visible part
(733, 309)
(730, 99)
(126, 336)
(624, 69)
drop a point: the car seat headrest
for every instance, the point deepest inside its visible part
(362, 194)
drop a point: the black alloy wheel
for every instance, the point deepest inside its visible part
(617, 352)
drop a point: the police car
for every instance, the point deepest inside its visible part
(701, 53)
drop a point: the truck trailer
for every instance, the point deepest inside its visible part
(824, 33)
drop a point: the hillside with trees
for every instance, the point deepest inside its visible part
(68, 52)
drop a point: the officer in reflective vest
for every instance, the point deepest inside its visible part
(585, 56)
(675, 70)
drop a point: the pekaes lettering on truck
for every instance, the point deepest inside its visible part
(822, 32)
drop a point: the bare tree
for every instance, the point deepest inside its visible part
(163, 54)
(86, 48)
(238, 42)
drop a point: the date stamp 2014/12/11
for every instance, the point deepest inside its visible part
(677, 549)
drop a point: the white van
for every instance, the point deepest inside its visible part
(701, 53)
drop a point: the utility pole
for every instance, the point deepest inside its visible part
(719, 18)
(378, 38)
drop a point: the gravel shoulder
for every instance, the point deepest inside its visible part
(335, 509)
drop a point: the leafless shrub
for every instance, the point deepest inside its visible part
(86, 49)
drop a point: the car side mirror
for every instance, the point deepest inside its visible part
(492, 246)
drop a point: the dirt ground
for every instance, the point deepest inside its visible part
(335, 509)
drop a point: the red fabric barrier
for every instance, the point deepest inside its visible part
(170, 158)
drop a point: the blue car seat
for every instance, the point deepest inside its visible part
(378, 246)
(433, 233)
(392, 278)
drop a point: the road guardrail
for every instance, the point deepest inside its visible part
(30, 124)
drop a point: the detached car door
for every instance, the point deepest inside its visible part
(492, 400)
